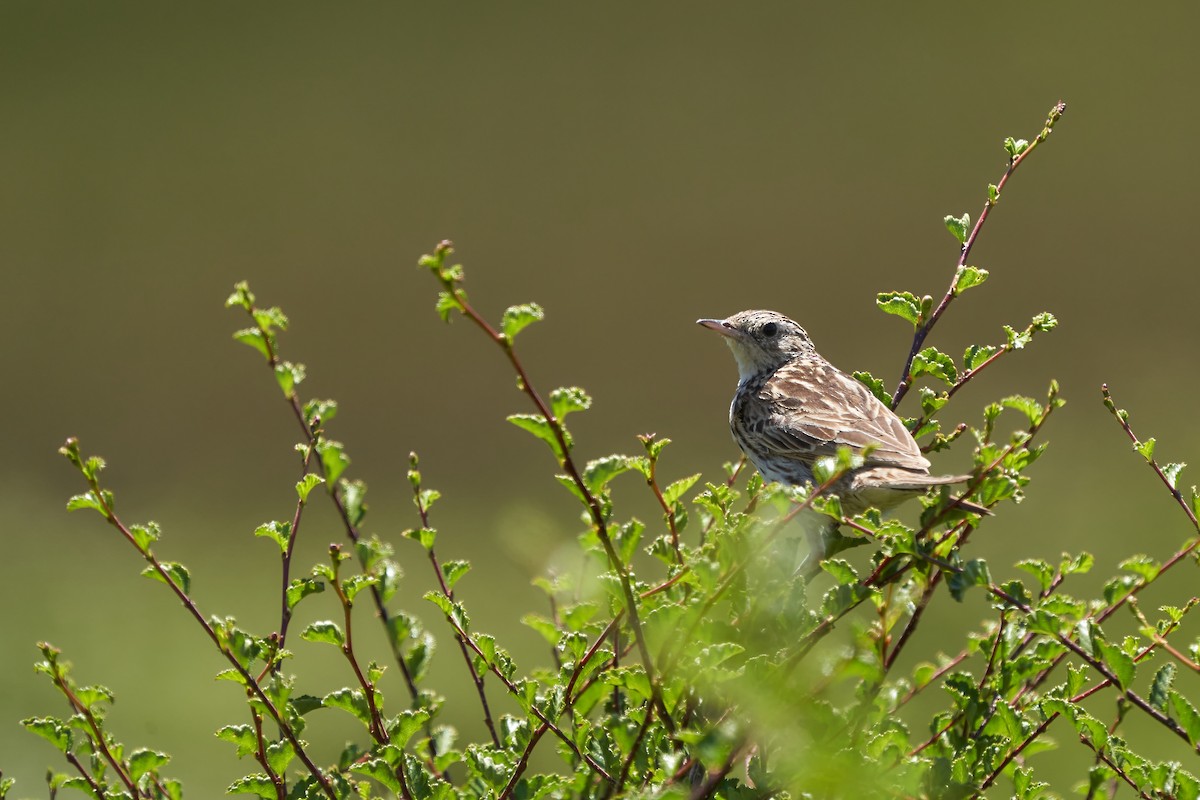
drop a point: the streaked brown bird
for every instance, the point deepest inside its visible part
(793, 407)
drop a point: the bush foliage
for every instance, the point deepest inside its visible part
(687, 657)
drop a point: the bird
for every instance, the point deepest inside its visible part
(792, 407)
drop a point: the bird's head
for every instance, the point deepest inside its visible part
(761, 341)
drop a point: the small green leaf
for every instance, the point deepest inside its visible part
(288, 376)
(88, 499)
(516, 318)
(901, 304)
(539, 427)
(325, 631)
(931, 401)
(931, 361)
(306, 485)
(301, 588)
(258, 784)
(1014, 147)
(447, 303)
(600, 471)
(1142, 565)
(253, 337)
(975, 355)
(974, 573)
(993, 193)
(958, 226)
(1044, 322)
(1171, 472)
(175, 573)
(568, 399)
(875, 385)
(674, 492)
(1117, 660)
(1016, 340)
(967, 278)
(454, 570)
(143, 761)
(333, 459)
(841, 570)
(1161, 687)
(426, 536)
(51, 730)
(242, 296)
(144, 535)
(279, 531)
(1031, 408)
(279, 755)
(240, 735)
(1183, 712)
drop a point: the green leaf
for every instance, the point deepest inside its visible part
(353, 498)
(516, 318)
(324, 631)
(143, 761)
(568, 399)
(279, 531)
(1161, 687)
(405, 725)
(1031, 408)
(288, 376)
(875, 385)
(931, 361)
(1043, 322)
(426, 536)
(1014, 147)
(1171, 472)
(539, 427)
(975, 355)
(253, 337)
(600, 471)
(958, 226)
(974, 573)
(88, 499)
(144, 535)
(1117, 660)
(675, 492)
(254, 784)
(1142, 565)
(1016, 340)
(1183, 712)
(1039, 569)
(841, 570)
(931, 401)
(453, 610)
(356, 583)
(301, 588)
(993, 193)
(446, 303)
(51, 730)
(306, 485)
(454, 570)
(175, 573)
(242, 296)
(968, 277)
(333, 459)
(901, 304)
(240, 735)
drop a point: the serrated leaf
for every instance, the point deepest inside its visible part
(1016, 340)
(301, 588)
(176, 572)
(258, 784)
(932, 361)
(677, 489)
(1183, 712)
(567, 400)
(1142, 565)
(597, 473)
(143, 761)
(426, 536)
(1031, 408)
(841, 570)
(975, 355)
(968, 277)
(280, 532)
(454, 570)
(333, 459)
(517, 318)
(446, 303)
(88, 499)
(240, 735)
(875, 385)
(1161, 687)
(352, 701)
(1014, 147)
(51, 730)
(901, 304)
(1044, 321)
(958, 226)
(288, 376)
(306, 485)
(539, 427)
(325, 631)
(242, 296)
(254, 337)
(1171, 472)
(1117, 660)
(974, 573)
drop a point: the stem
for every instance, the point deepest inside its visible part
(923, 331)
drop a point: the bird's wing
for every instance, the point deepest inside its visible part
(816, 408)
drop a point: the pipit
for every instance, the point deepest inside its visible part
(793, 407)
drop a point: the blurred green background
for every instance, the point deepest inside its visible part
(631, 167)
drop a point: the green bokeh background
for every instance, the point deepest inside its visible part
(631, 167)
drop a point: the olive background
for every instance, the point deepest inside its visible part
(631, 167)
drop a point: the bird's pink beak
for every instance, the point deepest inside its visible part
(720, 326)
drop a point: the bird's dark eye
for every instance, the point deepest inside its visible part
(770, 329)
